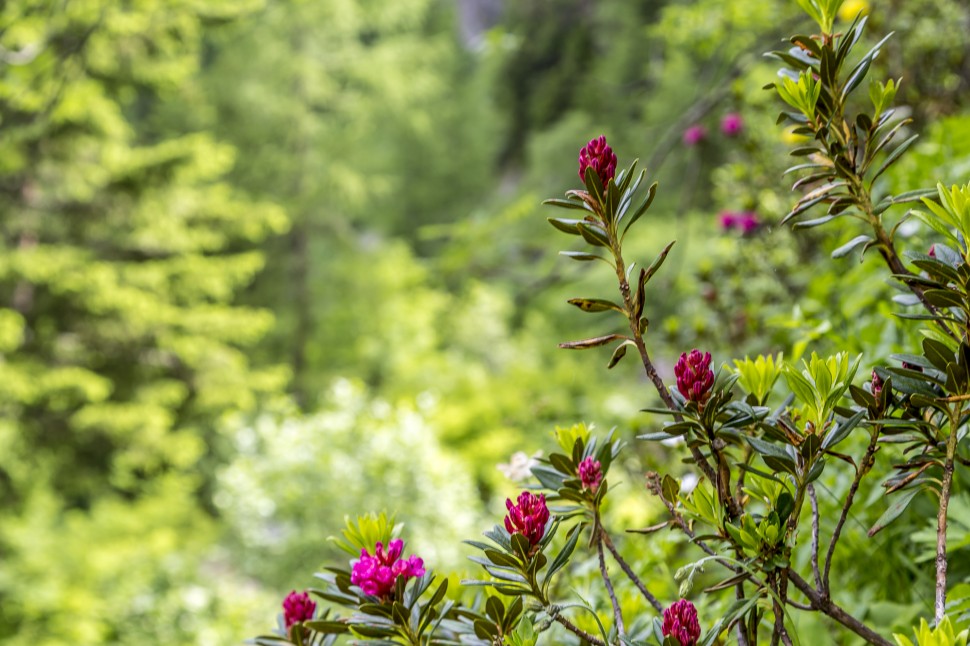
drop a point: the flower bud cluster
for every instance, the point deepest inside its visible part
(680, 622)
(600, 157)
(694, 376)
(297, 607)
(528, 516)
(590, 474)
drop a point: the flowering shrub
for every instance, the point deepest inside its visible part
(759, 443)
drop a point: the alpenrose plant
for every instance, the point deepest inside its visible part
(760, 434)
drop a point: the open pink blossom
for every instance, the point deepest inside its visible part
(528, 516)
(378, 574)
(731, 124)
(695, 135)
(680, 622)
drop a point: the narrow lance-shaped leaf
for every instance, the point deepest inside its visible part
(895, 509)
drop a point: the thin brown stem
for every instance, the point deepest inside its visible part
(576, 630)
(867, 461)
(617, 613)
(814, 501)
(648, 367)
(941, 520)
(652, 600)
(742, 629)
(827, 607)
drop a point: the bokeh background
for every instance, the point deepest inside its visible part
(268, 264)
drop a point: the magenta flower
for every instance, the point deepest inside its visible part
(297, 607)
(680, 622)
(528, 517)
(727, 219)
(600, 157)
(694, 135)
(747, 221)
(731, 124)
(377, 575)
(590, 474)
(694, 376)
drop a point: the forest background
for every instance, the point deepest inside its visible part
(270, 264)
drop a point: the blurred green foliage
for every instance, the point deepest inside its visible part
(267, 264)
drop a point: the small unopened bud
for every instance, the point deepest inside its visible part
(590, 474)
(876, 384)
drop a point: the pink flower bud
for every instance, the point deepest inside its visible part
(876, 384)
(680, 622)
(527, 517)
(694, 135)
(932, 251)
(377, 575)
(297, 607)
(590, 474)
(600, 157)
(694, 376)
(731, 124)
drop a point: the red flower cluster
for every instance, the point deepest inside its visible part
(694, 376)
(297, 608)
(600, 157)
(376, 575)
(528, 517)
(680, 622)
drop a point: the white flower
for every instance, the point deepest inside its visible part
(520, 466)
(687, 483)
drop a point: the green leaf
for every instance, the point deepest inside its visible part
(670, 488)
(590, 343)
(583, 256)
(567, 204)
(850, 245)
(655, 265)
(895, 509)
(595, 305)
(893, 156)
(566, 225)
(648, 200)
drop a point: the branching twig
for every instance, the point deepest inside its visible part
(941, 521)
(617, 613)
(814, 501)
(652, 600)
(576, 630)
(830, 609)
(867, 461)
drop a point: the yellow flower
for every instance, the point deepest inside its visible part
(852, 8)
